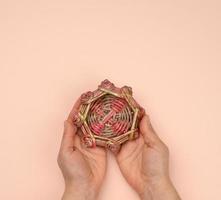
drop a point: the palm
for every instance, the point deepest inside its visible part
(79, 163)
(130, 160)
(144, 159)
(93, 160)
(84, 164)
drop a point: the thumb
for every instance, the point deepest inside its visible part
(68, 136)
(69, 128)
(146, 129)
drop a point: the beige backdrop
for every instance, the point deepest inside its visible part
(52, 51)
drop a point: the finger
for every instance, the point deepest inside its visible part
(146, 129)
(69, 135)
(74, 110)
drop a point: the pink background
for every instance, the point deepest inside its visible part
(52, 51)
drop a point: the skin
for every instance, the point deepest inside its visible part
(83, 168)
(143, 163)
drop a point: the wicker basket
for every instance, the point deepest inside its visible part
(108, 116)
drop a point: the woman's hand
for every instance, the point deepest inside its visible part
(144, 164)
(83, 168)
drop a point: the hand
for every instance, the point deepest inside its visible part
(83, 168)
(144, 164)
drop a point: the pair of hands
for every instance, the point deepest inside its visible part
(143, 163)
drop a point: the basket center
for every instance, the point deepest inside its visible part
(110, 116)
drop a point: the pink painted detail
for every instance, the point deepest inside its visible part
(120, 127)
(86, 96)
(97, 128)
(106, 84)
(88, 141)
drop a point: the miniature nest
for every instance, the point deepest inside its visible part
(108, 116)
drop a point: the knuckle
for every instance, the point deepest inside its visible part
(164, 148)
(58, 159)
(65, 123)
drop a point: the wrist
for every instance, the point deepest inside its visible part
(160, 189)
(80, 192)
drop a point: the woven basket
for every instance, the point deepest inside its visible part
(108, 116)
